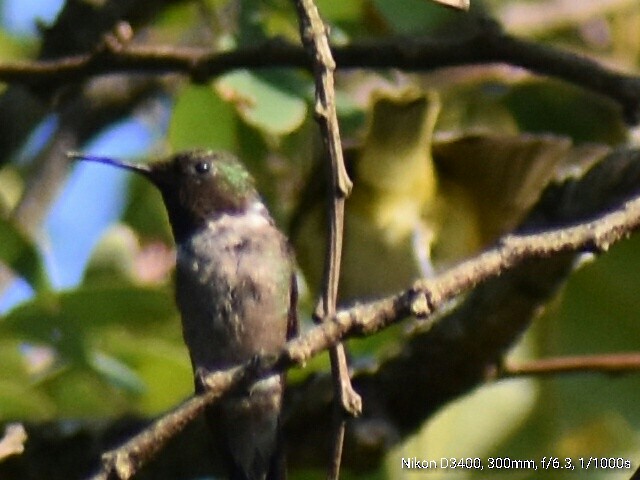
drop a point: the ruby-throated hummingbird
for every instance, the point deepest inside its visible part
(236, 292)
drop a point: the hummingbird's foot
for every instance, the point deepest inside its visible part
(254, 365)
(200, 374)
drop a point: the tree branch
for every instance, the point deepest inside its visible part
(79, 27)
(488, 44)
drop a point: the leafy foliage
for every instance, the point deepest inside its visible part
(112, 344)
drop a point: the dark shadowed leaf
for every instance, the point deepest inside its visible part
(553, 107)
(22, 255)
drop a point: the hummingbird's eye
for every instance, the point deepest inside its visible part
(202, 167)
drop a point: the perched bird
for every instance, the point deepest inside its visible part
(386, 240)
(421, 201)
(236, 292)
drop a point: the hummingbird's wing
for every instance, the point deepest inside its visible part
(292, 320)
(504, 175)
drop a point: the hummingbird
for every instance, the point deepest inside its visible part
(236, 292)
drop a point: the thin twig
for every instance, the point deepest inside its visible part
(422, 300)
(314, 35)
(611, 363)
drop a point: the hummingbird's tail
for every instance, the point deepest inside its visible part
(247, 428)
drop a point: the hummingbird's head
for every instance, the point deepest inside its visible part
(196, 185)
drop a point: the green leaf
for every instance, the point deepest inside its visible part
(79, 392)
(202, 119)
(117, 373)
(22, 256)
(161, 364)
(65, 321)
(553, 107)
(588, 412)
(18, 397)
(13, 48)
(114, 256)
(145, 211)
(270, 101)
(413, 16)
(12, 187)
(339, 10)
(20, 400)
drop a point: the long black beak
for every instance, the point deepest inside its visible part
(134, 167)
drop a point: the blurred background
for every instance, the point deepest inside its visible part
(88, 329)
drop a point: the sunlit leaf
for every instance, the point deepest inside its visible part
(14, 49)
(469, 427)
(11, 187)
(339, 10)
(163, 367)
(114, 256)
(117, 373)
(79, 392)
(20, 400)
(459, 4)
(18, 397)
(64, 321)
(270, 101)
(201, 118)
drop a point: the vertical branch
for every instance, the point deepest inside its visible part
(313, 33)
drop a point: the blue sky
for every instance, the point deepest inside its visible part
(94, 194)
(19, 16)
